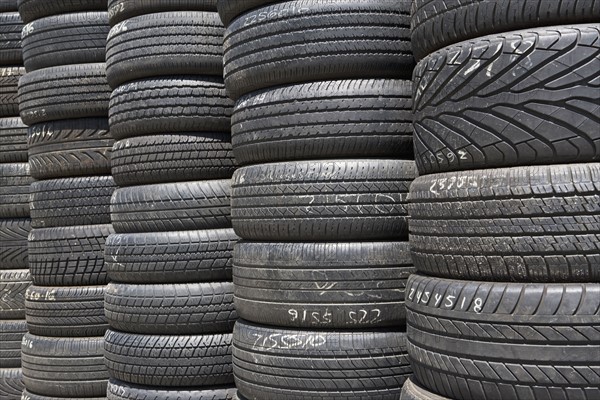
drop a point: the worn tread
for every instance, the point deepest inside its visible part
(31, 10)
(13, 243)
(120, 10)
(13, 285)
(13, 136)
(11, 383)
(9, 99)
(11, 26)
(11, 333)
(126, 391)
(14, 190)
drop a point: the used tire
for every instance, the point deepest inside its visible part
(275, 364)
(64, 92)
(64, 367)
(170, 105)
(68, 256)
(11, 333)
(10, 42)
(66, 311)
(31, 10)
(230, 9)
(69, 148)
(330, 119)
(474, 340)
(471, 113)
(124, 391)
(13, 135)
(539, 224)
(13, 284)
(14, 190)
(322, 285)
(171, 158)
(119, 10)
(13, 236)
(322, 200)
(11, 383)
(362, 40)
(8, 5)
(439, 23)
(172, 207)
(9, 99)
(170, 257)
(168, 43)
(31, 396)
(157, 361)
(412, 391)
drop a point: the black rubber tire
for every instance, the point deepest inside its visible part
(171, 158)
(322, 285)
(412, 391)
(120, 10)
(231, 9)
(31, 10)
(168, 43)
(8, 5)
(157, 360)
(77, 38)
(125, 391)
(70, 148)
(68, 256)
(504, 340)
(322, 200)
(172, 207)
(170, 105)
(11, 333)
(330, 119)
(66, 311)
(11, 384)
(439, 23)
(363, 39)
(13, 236)
(276, 364)
(170, 257)
(471, 113)
(9, 99)
(10, 38)
(528, 224)
(64, 92)
(13, 285)
(31, 396)
(14, 190)
(64, 367)
(171, 309)
(13, 136)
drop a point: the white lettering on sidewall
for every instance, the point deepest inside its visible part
(268, 15)
(448, 301)
(114, 10)
(117, 29)
(33, 295)
(28, 343)
(289, 341)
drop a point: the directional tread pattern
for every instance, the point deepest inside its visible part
(9, 99)
(11, 383)
(14, 190)
(13, 236)
(126, 391)
(412, 391)
(11, 333)
(31, 10)
(13, 136)
(119, 10)
(10, 44)
(13, 285)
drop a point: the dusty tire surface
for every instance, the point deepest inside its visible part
(10, 32)
(413, 391)
(13, 236)
(13, 285)
(9, 81)
(11, 333)
(119, 10)
(230, 9)
(14, 190)
(126, 391)
(13, 135)
(11, 383)
(31, 10)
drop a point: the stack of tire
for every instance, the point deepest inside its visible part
(170, 301)
(64, 100)
(322, 127)
(14, 205)
(505, 219)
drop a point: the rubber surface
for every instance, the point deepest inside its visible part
(322, 200)
(167, 43)
(13, 284)
(172, 207)
(30, 396)
(528, 224)
(344, 285)
(13, 135)
(70, 148)
(14, 190)
(35, 9)
(274, 364)
(10, 38)
(285, 43)
(412, 391)
(474, 340)
(9, 100)
(329, 119)
(11, 333)
(11, 384)
(230, 9)
(119, 10)
(519, 98)
(8, 5)
(125, 391)
(13, 236)
(170, 257)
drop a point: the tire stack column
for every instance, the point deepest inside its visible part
(170, 300)
(322, 128)
(64, 101)
(505, 217)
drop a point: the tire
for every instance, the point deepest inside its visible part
(412, 391)
(77, 38)
(322, 200)
(172, 207)
(440, 23)
(168, 43)
(330, 119)
(271, 363)
(64, 92)
(231, 9)
(485, 117)
(11, 333)
(172, 158)
(14, 190)
(171, 309)
(10, 44)
(527, 224)
(120, 10)
(125, 391)
(68, 256)
(508, 340)
(30, 396)
(64, 367)
(71, 201)
(13, 135)
(322, 285)
(31, 10)
(66, 311)
(363, 40)
(11, 384)
(8, 5)
(13, 236)
(70, 148)
(170, 105)
(9, 99)
(157, 361)
(170, 257)
(13, 284)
